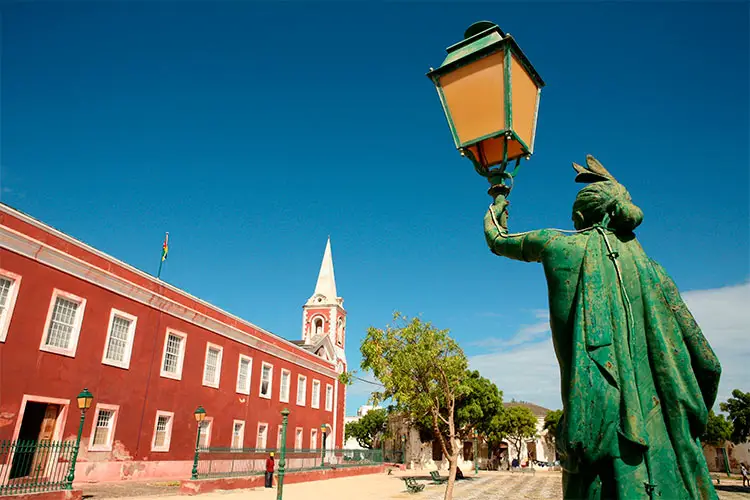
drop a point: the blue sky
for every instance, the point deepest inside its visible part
(251, 131)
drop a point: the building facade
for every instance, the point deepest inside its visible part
(73, 317)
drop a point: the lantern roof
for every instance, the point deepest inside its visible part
(482, 39)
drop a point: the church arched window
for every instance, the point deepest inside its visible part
(318, 326)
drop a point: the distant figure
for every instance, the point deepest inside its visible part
(269, 471)
(743, 471)
(514, 463)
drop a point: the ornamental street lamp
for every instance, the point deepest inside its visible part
(476, 453)
(323, 428)
(282, 458)
(403, 449)
(84, 400)
(490, 95)
(200, 416)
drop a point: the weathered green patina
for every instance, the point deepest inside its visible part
(638, 377)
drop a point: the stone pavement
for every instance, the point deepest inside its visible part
(485, 486)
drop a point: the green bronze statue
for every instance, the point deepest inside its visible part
(637, 375)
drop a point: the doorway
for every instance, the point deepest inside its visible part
(38, 424)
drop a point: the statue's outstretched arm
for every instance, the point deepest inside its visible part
(527, 247)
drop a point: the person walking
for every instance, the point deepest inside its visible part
(269, 471)
(744, 472)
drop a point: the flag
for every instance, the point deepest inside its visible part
(165, 248)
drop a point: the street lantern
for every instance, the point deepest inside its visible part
(199, 414)
(84, 400)
(323, 428)
(490, 95)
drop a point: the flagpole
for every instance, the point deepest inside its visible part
(164, 251)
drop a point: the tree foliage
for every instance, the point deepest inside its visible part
(475, 409)
(423, 370)
(718, 430)
(738, 408)
(369, 429)
(550, 422)
(515, 424)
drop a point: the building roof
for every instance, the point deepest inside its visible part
(538, 411)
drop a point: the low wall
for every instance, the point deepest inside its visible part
(111, 471)
(47, 495)
(194, 487)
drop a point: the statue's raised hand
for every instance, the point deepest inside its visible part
(496, 218)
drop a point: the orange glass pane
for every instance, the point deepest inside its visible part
(491, 151)
(475, 97)
(524, 95)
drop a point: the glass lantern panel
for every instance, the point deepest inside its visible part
(492, 151)
(475, 98)
(524, 96)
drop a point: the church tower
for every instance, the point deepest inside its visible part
(324, 316)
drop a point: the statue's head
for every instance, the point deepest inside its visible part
(603, 197)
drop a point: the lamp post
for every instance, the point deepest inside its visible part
(200, 416)
(403, 449)
(476, 453)
(490, 95)
(323, 428)
(282, 458)
(84, 400)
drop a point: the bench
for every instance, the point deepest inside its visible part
(436, 479)
(412, 485)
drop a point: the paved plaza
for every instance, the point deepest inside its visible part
(486, 486)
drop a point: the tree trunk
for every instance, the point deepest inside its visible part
(453, 463)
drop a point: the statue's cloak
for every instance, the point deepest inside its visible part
(638, 380)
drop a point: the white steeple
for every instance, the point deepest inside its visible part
(325, 288)
(324, 316)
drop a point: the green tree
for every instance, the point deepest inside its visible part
(515, 424)
(718, 430)
(738, 408)
(423, 371)
(551, 420)
(369, 429)
(475, 409)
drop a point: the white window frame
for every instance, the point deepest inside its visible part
(213, 383)
(284, 398)
(125, 363)
(302, 378)
(299, 431)
(209, 421)
(270, 381)
(315, 402)
(279, 432)
(70, 351)
(265, 437)
(329, 401)
(115, 409)
(313, 439)
(242, 434)
(180, 359)
(244, 390)
(11, 304)
(168, 439)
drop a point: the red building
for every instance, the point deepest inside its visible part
(73, 317)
